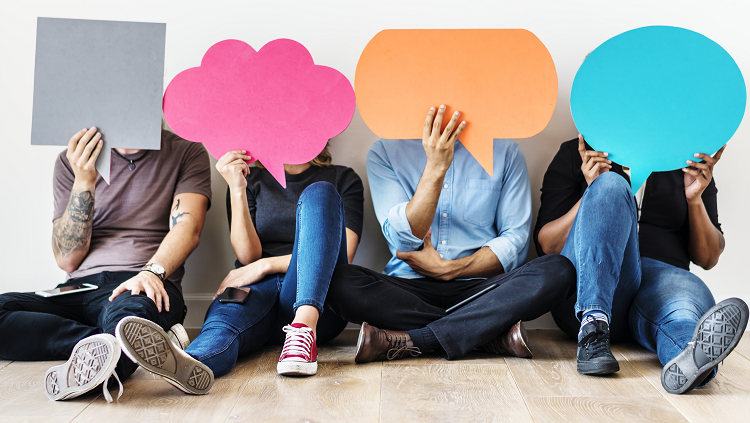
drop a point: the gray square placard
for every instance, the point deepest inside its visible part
(106, 74)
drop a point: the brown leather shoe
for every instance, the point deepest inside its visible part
(379, 344)
(512, 342)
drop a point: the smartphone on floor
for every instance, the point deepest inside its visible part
(235, 295)
(65, 290)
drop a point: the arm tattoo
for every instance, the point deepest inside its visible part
(73, 230)
(175, 215)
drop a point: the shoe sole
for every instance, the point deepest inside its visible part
(298, 368)
(92, 362)
(179, 336)
(360, 342)
(146, 344)
(717, 333)
(599, 368)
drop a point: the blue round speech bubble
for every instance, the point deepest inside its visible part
(654, 96)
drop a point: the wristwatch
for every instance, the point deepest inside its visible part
(156, 269)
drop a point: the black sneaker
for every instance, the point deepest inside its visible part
(594, 356)
(716, 335)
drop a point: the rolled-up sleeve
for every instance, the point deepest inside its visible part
(389, 199)
(513, 216)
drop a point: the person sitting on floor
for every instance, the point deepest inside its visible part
(130, 239)
(633, 264)
(454, 231)
(287, 243)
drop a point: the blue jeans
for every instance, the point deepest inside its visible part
(234, 330)
(667, 308)
(603, 246)
(655, 303)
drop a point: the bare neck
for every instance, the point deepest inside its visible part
(296, 169)
(127, 150)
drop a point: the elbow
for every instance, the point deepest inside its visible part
(66, 265)
(709, 263)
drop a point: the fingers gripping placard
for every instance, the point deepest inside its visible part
(274, 103)
(655, 96)
(503, 81)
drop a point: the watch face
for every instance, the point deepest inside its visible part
(157, 268)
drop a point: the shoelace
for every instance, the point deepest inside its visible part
(596, 343)
(397, 347)
(107, 395)
(298, 342)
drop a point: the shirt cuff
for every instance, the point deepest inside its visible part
(399, 229)
(505, 252)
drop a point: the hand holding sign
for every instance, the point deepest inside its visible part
(655, 96)
(275, 104)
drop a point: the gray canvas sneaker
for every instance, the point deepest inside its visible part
(146, 343)
(91, 364)
(715, 336)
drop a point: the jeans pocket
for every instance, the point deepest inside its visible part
(481, 197)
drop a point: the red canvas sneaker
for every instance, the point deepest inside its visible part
(299, 357)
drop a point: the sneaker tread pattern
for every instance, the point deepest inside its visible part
(149, 344)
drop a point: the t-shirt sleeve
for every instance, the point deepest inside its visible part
(62, 182)
(711, 203)
(352, 195)
(560, 192)
(195, 172)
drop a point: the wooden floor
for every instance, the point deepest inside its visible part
(479, 387)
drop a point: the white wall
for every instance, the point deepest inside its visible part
(336, 32)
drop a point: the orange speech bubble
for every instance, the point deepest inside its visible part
(503, 81)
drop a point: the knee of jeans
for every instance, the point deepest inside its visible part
(611, 183)
(320, 189)
(130, 305)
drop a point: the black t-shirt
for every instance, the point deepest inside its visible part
(273, 209)
(664, 231)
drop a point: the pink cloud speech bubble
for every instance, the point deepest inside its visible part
(275, 103)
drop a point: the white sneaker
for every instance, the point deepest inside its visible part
(91, 364)
(146, 343)
(179, 336)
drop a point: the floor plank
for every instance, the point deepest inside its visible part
(744, 346)
(450, 392)
(339, 392)
(4, 363)
(22, 396)
(601, 409)
(726, 398)
(552, 372)
(148, 400)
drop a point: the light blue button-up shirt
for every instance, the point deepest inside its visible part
(474, 209)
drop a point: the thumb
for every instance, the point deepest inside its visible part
(401, 255)
(428, 241)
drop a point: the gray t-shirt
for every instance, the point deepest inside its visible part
(131, 215)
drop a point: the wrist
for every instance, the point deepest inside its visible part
(82, 184)
(237, 192)
(696, 201)
(434, 172)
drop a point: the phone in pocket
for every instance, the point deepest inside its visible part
(65, 290)
(235, 295)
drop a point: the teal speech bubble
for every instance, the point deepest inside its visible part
(654, 96)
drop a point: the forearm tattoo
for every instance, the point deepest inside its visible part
(73, 230)
(176, 215)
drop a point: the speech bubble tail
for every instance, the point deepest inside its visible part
(483, 152)
(638, 178)
(103, 162)
(277, 171)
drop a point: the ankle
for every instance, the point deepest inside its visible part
(308, 316)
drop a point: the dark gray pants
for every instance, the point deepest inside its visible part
(361, 295)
